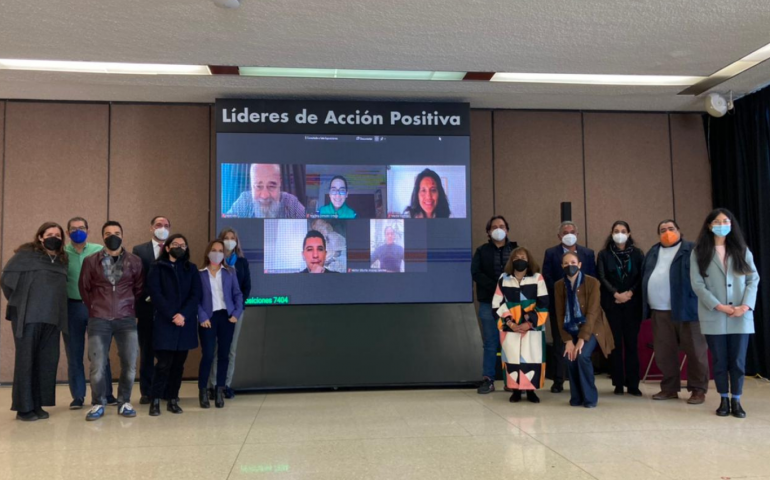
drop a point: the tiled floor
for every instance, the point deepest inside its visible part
(421, 434)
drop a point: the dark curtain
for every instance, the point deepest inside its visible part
(293, 181)
(739, 150)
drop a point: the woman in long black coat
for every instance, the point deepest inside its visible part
(175, 290)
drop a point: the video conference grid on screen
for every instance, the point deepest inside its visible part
(360, 208)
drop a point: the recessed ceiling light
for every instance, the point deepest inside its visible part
(590, 79)
(103, 67)
(350, 74)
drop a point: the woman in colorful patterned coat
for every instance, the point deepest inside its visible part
(520, 305)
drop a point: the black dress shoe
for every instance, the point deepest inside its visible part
(111, 400)
(532, 396)
(736, 409)
(635, 392)
(724, 408)
(219, 402)
(515, 396)
(144, 400)
(42, 414)
(155, 407)
(173, 406)
(203, 398)
(76, 404)
(557, 387)
(27, 416)
(619, 391)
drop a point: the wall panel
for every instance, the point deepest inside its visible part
(538, 165)
(55, 169)
(482, 200)
(628, 175)
(159, 165)
(692, 173)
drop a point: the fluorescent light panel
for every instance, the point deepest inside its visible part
(350, 74)
(103, 67)
(589, 79)
(736, 68)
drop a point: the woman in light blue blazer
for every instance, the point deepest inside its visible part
(725, 282)
(220, 306)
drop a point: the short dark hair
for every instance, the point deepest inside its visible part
(668, 221)
(152, 222)
(338, 177)
(497, 217)
(112, 223)
(76, 219)
(313, 234)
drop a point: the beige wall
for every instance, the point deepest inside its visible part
(130, 162)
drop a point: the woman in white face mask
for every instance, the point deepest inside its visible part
(234, 258)
(620, 272)
(220, 307)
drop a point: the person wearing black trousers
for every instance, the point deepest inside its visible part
(620, 273)
(174, 285)
(148, 252)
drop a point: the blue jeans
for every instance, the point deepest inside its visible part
(75, 345)
(219, 337)
(729, 355)
(582, 385)
(491, 338)
(100, 335)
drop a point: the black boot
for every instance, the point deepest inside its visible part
(155, 407)
(212, 394)
(724, 408)
(735, 408)
(173, 406)
(532, 396)
(515, 396)
(219, 402)
(41, 414)
(203, 398)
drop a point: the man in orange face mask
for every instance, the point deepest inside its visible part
(671, 303)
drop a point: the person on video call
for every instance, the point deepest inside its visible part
(336, 245)
(266, 200)
(390, 255)
(428, 197)
(314, 252)
(338, 194)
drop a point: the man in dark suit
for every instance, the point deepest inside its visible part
(148, 252)
(552, 272)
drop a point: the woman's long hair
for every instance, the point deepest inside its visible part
(37, 246)
(442, 207)
(735, 245)
(225, 231)
(165, 256)
(609, 242)
(532, 265)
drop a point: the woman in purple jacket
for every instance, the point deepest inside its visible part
(220, 306)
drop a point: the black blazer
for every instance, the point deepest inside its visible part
(145, 251)
(609, 276)
(175, 288)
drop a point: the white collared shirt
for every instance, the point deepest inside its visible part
(156, 247)
(217, 291)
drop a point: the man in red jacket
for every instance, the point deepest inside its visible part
(110, 282)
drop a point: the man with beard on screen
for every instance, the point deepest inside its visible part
(314, 253)
(265, 199)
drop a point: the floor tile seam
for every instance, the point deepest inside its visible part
(243, 444)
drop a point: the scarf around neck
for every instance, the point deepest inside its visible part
(573, 316)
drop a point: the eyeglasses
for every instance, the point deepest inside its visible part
(179, 245)
(341, 191)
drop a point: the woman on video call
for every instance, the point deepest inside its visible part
(428, 197)
(338, 195)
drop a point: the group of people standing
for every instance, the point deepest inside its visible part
(700, 297)
(154, 302)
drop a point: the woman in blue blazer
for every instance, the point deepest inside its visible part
(175, 290)
(220, 306)
(725, 282)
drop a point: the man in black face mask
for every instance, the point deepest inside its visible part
(110, 282)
